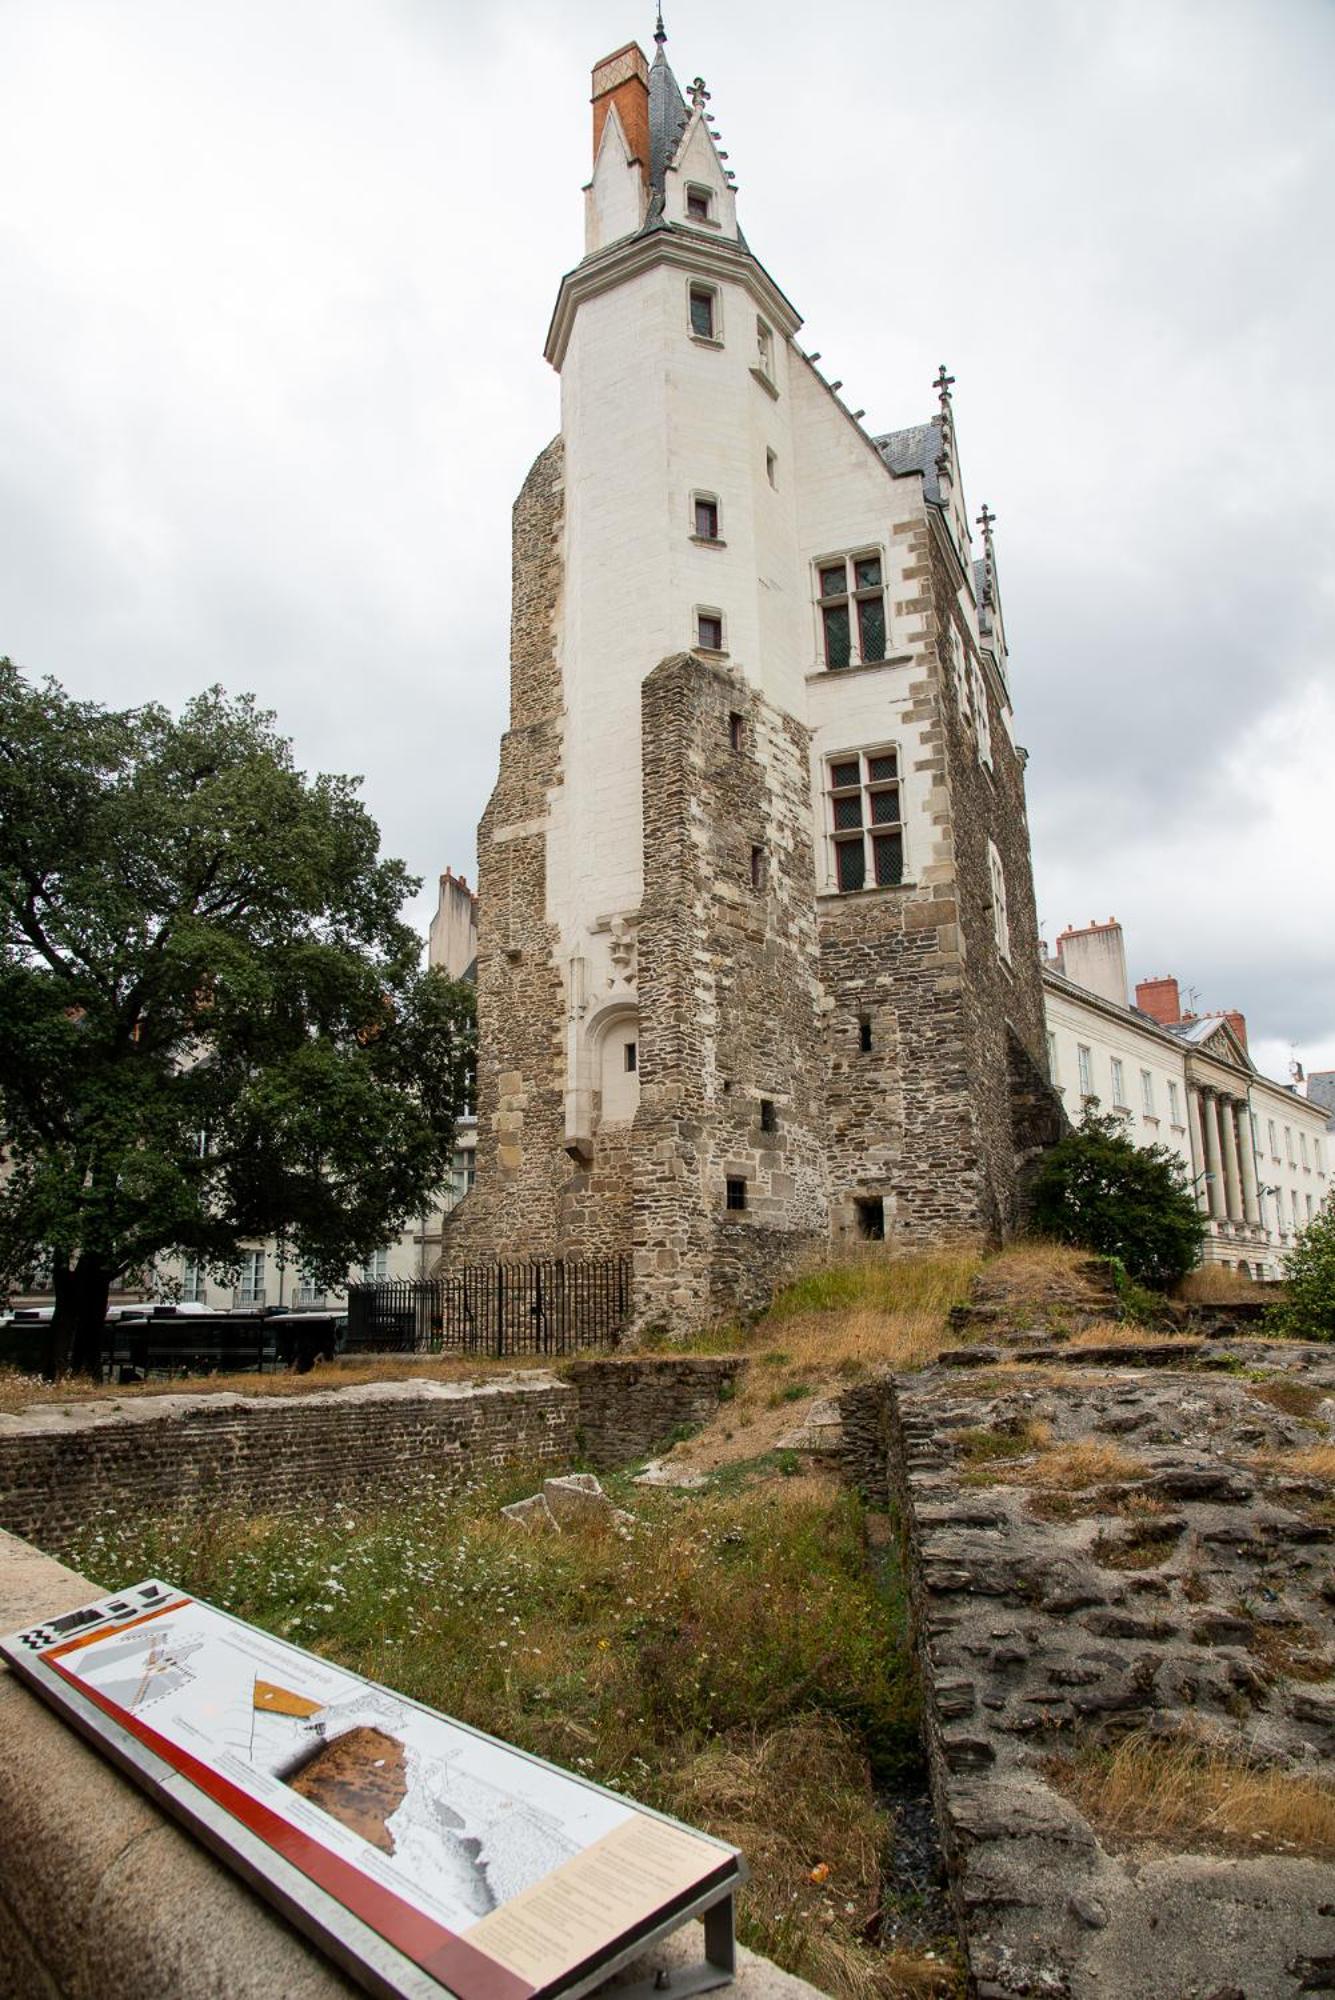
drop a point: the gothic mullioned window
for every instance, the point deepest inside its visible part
(851, 595)
(866, 820)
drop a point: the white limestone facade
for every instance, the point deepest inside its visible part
(760, 806)
(1256, 1153)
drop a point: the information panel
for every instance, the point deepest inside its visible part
(426, 1856)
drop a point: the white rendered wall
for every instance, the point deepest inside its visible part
(1294, 1120)
(1070, 1023)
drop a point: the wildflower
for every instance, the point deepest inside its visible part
(821, 1872)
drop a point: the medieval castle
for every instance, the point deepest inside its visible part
(758, 963)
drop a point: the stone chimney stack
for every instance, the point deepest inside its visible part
(1160, 999)
(622, 79)
(1095, 958)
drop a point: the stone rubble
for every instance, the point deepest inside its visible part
(575, 1501)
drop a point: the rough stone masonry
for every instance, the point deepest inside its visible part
(1186, 1587)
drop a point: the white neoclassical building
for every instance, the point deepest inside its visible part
(1256, 1151)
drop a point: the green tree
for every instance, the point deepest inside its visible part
(1308, 1311)
(1096, 1188)
(213, 1025)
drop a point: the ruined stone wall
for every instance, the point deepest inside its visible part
(1180, 1586)
(1001, 1001)
(903, 1118)
(729, 999)
(60, 1469)
(514, 1208)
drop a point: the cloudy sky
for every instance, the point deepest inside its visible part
(277, 278)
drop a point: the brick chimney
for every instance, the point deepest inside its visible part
(623, 79)
(1159, 998)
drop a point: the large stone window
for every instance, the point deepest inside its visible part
(850, 595)
(866, 825)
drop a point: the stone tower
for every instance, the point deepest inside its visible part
(758, 962)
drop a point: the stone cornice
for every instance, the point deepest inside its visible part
(712, 257)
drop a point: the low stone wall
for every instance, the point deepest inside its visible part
(61, 1466)
(629, 1407)
(1186, 1587)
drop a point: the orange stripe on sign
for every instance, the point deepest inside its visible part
(109, 1630)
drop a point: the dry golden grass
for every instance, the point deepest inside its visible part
(1039, 1269)
(1115, 1333)
(1212, 1285)
(1295, 1399)
(21, 1392)
(1074, 1467)
(1191, 1799)
(814, 1850)
(1311, 1461)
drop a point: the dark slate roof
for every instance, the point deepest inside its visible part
(915, 450)
(668, 116)
(980, 579)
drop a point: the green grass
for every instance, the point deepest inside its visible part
(727, 1624)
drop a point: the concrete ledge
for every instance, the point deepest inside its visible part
(104, 1898)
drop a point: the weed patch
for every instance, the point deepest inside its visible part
(1190, 1799)
(705, 1663)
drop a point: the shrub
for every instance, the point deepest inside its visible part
(1308, 1311)
(1096, 1188)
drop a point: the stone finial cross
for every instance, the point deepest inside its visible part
(943, 385)
(698, 94)
(985, 520)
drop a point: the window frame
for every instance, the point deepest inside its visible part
(1147, 1109)
(699, 644)
(1001, 922)
(700, 288)
(851, 600)
(1117, 1083)
(711, 503)
(1084, 1069)
(734, 1194)
(250, 1290)
(698, 191)
(869, 830)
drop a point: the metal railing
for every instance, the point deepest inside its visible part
(545, 1306)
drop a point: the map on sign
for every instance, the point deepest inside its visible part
(496, 1874)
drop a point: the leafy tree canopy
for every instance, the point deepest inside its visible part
(1098, 1189)
(1308, 1311)
(213, 1025)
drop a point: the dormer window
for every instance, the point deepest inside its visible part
(704, 312)
(698, 204)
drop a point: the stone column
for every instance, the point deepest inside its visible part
(1251, 1198)
(1213, 1164)
(1198, 1161)
(1232, 1177)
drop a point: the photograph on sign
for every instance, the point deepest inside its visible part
(495, 1873)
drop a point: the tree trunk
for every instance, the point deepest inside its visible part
(79, 1319)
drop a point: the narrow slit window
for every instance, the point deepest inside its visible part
(864, 1033)
(736, 1193)
(772, 468)
(632, 1057)
(736, 731)
(757, 867)
(765, 349)
(769, 1118)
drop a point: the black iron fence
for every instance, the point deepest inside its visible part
(546, 1306)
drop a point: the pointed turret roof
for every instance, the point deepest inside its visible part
(668, 115)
